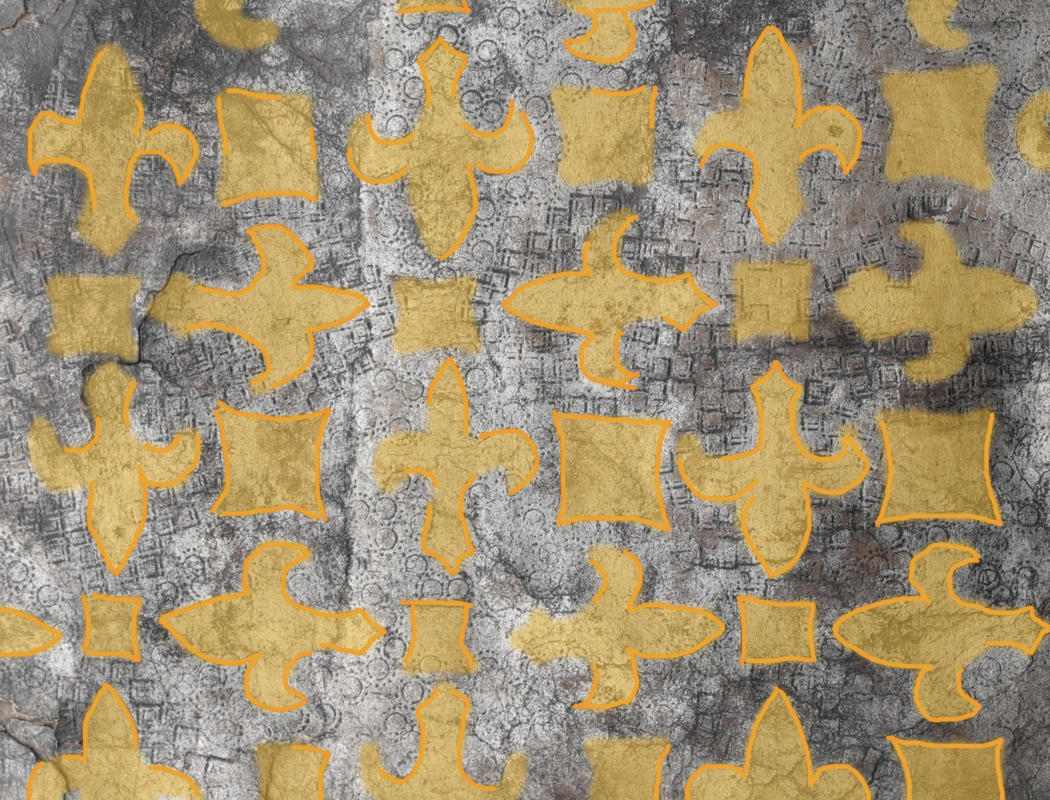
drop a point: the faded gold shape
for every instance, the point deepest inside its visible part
(111, 766)
(104, 142)
(439, 157)
(115, 467)
(939, 121)
(778, 765)
(610, 469)
(225, 22)
(937, 633)
(438, 643)
(943, 771)
(776, 631)
(777, 478)
(291, 771)
(268, 146)
(111, 626)
(264, 628)
(417, 6)
(276, 313)
(92, 314)
(602, 298)
(938, 466)
(451, 458)
(772, 299)
(1033, 139)
(23, 635)
(776, 135)
(612, 35)
(434, 315)
(606, 135)
(614, 631)
(438, 771)
(945, 299)
(272, 463)
(626, 769)
(930, 18)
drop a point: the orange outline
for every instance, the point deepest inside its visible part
(325, 413)
(250, 661)
(132, 728)
(440, 41)
(223, 136)
(593, 30)
(56, 635)
(812, 775)
(414, 631)
(847, 444)
(463, 8)
(847, 164)
(994, 744)
(924, 598)
(590, 336)
(997, 520)
(135, 655)
(180, 178)
(810, 630)
(665, 424)
(252, 233)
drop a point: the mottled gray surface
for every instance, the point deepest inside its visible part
(352, 57)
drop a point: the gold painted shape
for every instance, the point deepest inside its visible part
(602, 298)
(939, 119)
(772, 299)
(1032, 136)
(938, 466)
(104, 142)
(92, 314)
(930, 18)
(23, 635)
(626, 769)
(111, 626)
(276, 312)
(115, 467)
(606, 135)
(937, 633)
(614, 631)
(434, 315)
(945, 299)
(111, 765)
(291, 771)
(776, 631)
(451, 458)
(268, 146)
(225, 22)
(438, 771)
(439, 156)
(273, 463)
(943, 771)
(418, 6)
(778, 765)
(263, 628)
(438, 644)
(771, 128)
(776, 479)
(612, 35)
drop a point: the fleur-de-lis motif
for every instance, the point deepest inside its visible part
(438, 772)
(949, 301)
(276, 312)
(937, 633)
(115, 467)
(104, 142)
(774, 132)
(111, 765)
(439, 157)
(264, 628)
(225, 22)
(614, 631)
(600, 300)
(23, 635)
(452, 459)
(612, 34)
(776, 478)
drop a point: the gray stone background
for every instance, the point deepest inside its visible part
(354, 57)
